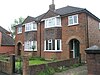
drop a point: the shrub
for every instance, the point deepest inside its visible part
(47, 71)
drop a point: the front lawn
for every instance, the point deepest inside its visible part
(37, 62)
(32, 61)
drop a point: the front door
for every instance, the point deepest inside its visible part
(19, 48)
(74, 48)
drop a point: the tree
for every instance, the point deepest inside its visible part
(16, 22)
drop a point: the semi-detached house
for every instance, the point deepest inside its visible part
(62, 33)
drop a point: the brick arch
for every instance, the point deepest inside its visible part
(19, 46)
(74, 37)
(19, 42)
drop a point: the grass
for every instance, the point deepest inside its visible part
(32, 61)
(37, 62)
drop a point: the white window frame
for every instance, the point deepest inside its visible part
(47, 24)
(54, 46)
(19, 30)
(29, 48)
(30, 26)
(72, 18)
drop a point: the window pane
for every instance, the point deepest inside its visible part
(70, 20)
(46, 44)
(58, 20)
(58, 44)
(34, 26)
(50, 46)
(53, 44)
(53, 22)
(19, 30)
(75, 19)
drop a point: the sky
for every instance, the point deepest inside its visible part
(13, 9)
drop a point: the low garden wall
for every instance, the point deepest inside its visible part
(5, 67)
(35, 69)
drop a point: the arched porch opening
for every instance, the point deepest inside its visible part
(19, 48)
(74, 48)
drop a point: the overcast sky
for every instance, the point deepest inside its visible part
(13, 9)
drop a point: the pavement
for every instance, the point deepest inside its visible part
(3, 73)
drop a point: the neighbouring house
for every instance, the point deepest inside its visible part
(7, 45)
(62, 33)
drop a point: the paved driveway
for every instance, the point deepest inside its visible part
(82, 70)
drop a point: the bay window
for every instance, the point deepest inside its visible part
(30, 26)
(53, 22)
(52, 45)
(28, 45)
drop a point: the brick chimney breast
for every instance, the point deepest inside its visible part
(52, 6)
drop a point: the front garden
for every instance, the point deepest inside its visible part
(40, 66)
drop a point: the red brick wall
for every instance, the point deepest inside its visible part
(19, 38)
(94, 32)
(7, 49)
(74, 32)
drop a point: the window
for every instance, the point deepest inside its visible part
(29, 44)
(73, 20)
(99, 25)
(30, 26)
(58, 19)
(52, 45)
(52, 22)
(19, 30)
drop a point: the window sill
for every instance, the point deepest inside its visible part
(73, 24)
(30, 30)
(52, 50)
(30, 51)
(19, 33)
(53, 26)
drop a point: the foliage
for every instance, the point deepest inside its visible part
(4, 58)
(37, 58)
(61, 68)
(47, 71)
(16, 22)
(76, 65)
(53, 57)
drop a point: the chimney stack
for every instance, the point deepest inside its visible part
(52, 6)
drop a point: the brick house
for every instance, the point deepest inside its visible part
(7, 45)
(59, 33)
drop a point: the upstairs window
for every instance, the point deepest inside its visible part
(28, 45)
(52, 45)
(72, 20)
(30, 26)
(53, 22)
(19, 30)
(99, 26)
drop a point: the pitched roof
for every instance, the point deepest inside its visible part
(6, 39)
(38, 18)
(3, 30)
(67, 10)
(29, 19)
